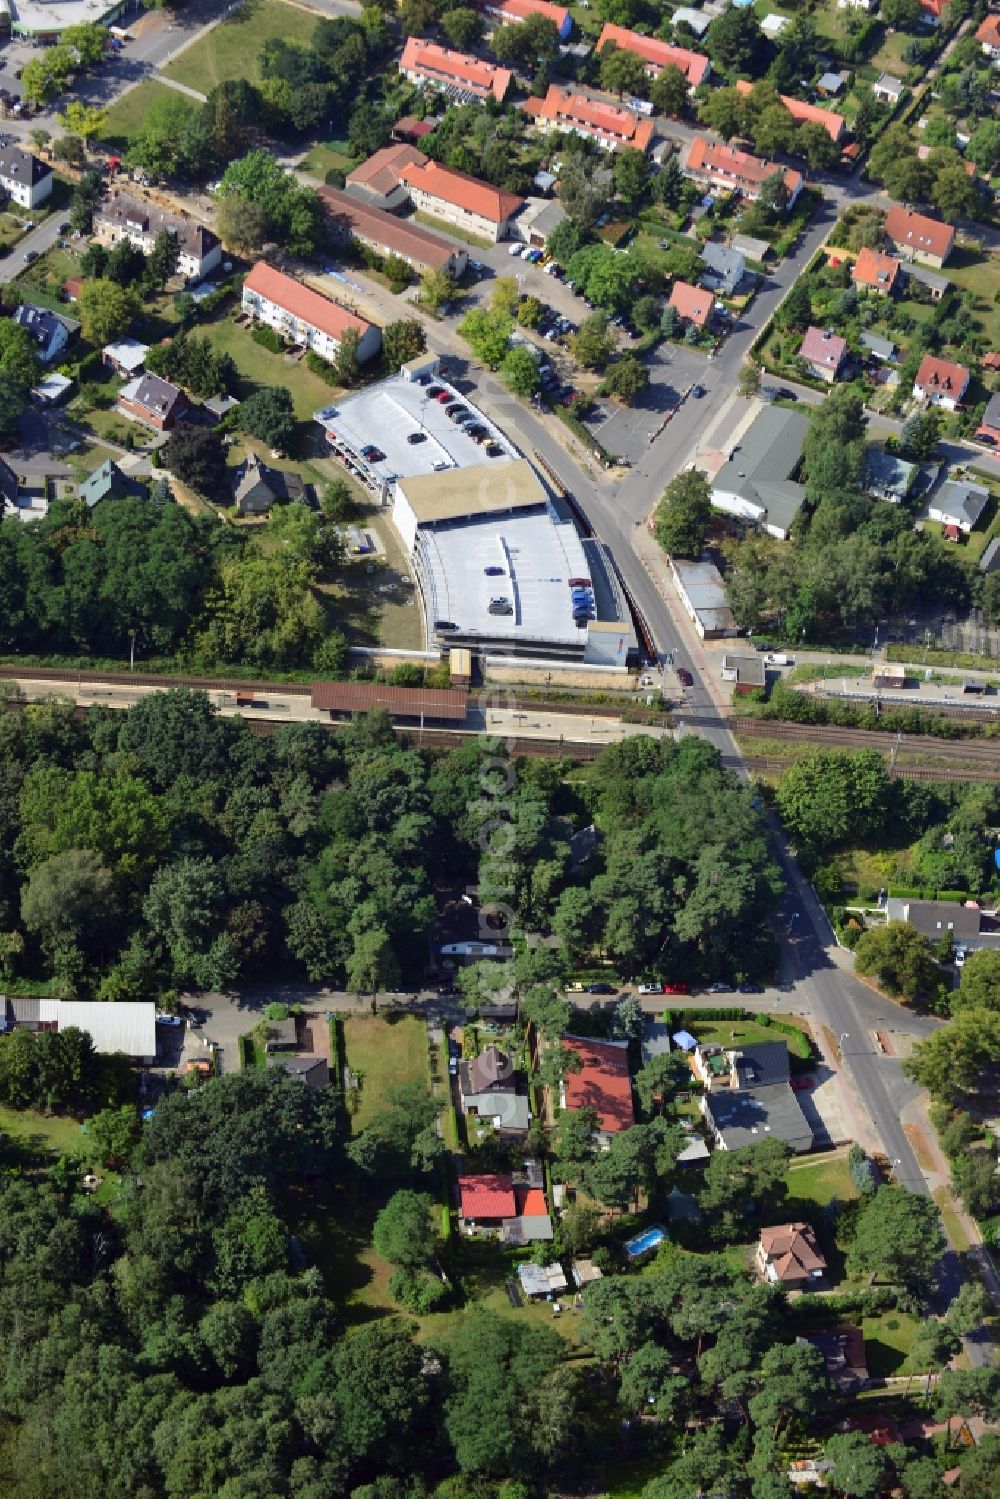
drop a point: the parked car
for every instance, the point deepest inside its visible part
(685, 677)
(720, 987)
(800, 1084)
(751, 988)
(414, 437)
(651, 986)
(495, 571)
(434, 391)
(676, 987)
(443, 626)
(445, 398)
(959, 957)
(697, 391)
(601, 988)
(171, 1020)
(501, 605)
(578, 582)
(516, 249)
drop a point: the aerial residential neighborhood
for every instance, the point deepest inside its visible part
(499, 864)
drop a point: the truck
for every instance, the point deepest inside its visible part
(778, 658)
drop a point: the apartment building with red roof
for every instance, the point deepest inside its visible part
(303, 316)
(610, 125)
(657, 55)
(875, 270)
(715, 166)
(513, 12)
(379, 180)
(456, 198)
(806, 114)
(603, 1084)
(349, 219)
(941, 382)
(465, 78)
(916, 237)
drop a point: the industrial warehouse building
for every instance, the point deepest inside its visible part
(478, 524)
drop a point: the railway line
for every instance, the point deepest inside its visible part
(972, 751)
(938, 773)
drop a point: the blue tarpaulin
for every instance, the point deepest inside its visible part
(684, 1040)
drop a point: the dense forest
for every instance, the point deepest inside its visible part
(216, 856)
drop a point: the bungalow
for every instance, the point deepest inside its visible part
(486, 1200)
(465, 79)
(126, 357)
(806, 114)
(657, 55)
(883, 350)
(747, 673)
(350, 219)
(693, 304)
(122, 217)
(603, 1083)
(935, 919)
(917, 237)
(875, 270)
(887, 89)
(989, 428)
(257, 487)
(988, 37)
(302, 316)
(718, 167)
(958, 505)
(109, 483)
(789, 1256)
(756, 1066)
(941, 382)
(610, 125)
(312, 1070)
(887, 477)
(456, 198)
(25, 178)
(724, 268)
(153, 401)
(758, 483)
(49, 331)
(824, 353)
(843, 1350)
(514, 12)
(491, 1088)
(379, 182)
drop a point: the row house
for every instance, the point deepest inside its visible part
(657, 55)
(456, 198)
(806, 114)
(611, 126)
(350, 219)
(716, 166)
(304, 316)
(466, 78)
(514, 12)
(121, 217)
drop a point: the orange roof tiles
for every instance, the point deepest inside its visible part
(463, 191)
(919, 232)
(942, 375)
(875, 268)
(381, 172)
(657, 54)
(792, 1250)
(402, 237)
(515, 11)
(457, 69)
(603, 1084)
(319, 312)
(593, 117)
(805, 113)
(737, 168)
(989, 32)
(692, 302)
(487, 1196)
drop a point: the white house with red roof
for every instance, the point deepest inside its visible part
(988, 37)
(514, 12)
(657, 55)
(495, 1203)
(603, 1084)
(456, 198)
(916, 237)
(719, 167)
(303, 316)
(610, 125)
(465, 78)
(941, 382)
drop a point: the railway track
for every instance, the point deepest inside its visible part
(939, 773)
(152, 679)
(973, 751)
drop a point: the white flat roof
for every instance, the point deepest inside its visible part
(388, 413)
(127, 1025)
(539, 550)
(35, 16)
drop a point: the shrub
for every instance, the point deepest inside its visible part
(275, 1011)
(268, 339)
(417, 1290)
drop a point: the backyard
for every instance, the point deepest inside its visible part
(231, 49)
(382, 1053)
(748, 1032)
(31, 1139)
(128, 112)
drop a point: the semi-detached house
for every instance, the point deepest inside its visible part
(465, 78)
(917, 237)
(716, 166)
(456, 198)
(657, 55)
(26, 179)
(122, 217)
(513, 12)
(611, 126)
(350, 219)
(806, 114)
(304, 316)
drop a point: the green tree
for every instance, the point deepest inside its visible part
(794, 1385)
(269, 414)
(488, 335)
(105, 310)
(898, 1238)
(162, 262)
(372, 964)
(683, 514)
(196, 456)
(115, 1133)
(735, 42)
(748, 383)
(724, 111)
(900, 959)
(669, 92)
(593, 343)
(631, 175)
(436, 288)
(402, 1230)
(951, 1061)
(496, 1366)
(827, 797)
(626, 379)
(980, 985)
(462, 27)
(173, 139)
(402, 341)
(621, 72)
(858, 1467)
(519, 371)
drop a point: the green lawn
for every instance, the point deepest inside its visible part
(325, 155)
(453, 231)
(979, 273)
(31, 1138)
(258, 366)
(887, 1345)
(380, 607)
(231, 49)
(816, 1182)
(736, 1032)
(383, 1052)
(127, 114)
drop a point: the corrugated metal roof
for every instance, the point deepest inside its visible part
(127, 1025)
(401, 702)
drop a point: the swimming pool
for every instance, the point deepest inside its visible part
(644, 1242)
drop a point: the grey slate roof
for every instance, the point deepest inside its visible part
(42, 324)
(935, 918)
(989, 562)
(21, 165)
(770, 452)
(885, 474)
(655, 1040)
(882, 348)
(490, 1070)
(107, 483)
(991, 416)
(510, 1110)
(745, 1117)
(965, 502)
(725, 265)
(761, 1065)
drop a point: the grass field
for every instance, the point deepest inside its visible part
(383, 1053)
(325, 155)
(887, 1345)
(127, 114)
(817, 1182)
(30, 1138)
(231, 49)
(258, 366)
(453, 231)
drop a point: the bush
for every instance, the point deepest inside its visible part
(417, 1290)
(268, 339)
(275, 1011)
(318, 366)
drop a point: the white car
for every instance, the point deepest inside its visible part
(516, 249)
(959, 957)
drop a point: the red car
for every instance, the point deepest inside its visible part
(676, 989)
(685, 677)
(801, 1084)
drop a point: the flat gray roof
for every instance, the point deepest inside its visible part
(745, 1117)
(388, 413)
(769, 453)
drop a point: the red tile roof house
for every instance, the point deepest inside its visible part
(379, 181)
(657, 55)
(464, 201)
(941, 382)
(603, 1084)
(153, 401)
(350, 219)
(692, 303)
(875, 270)
(806, 114)
(486, 1200)
(456, 72)
(597, 120)
(513, 12)
(931, 11)
(916, 237)
(302, 316)
(717, 166)
(824, 352)
(789, 1256)
(989, 37)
